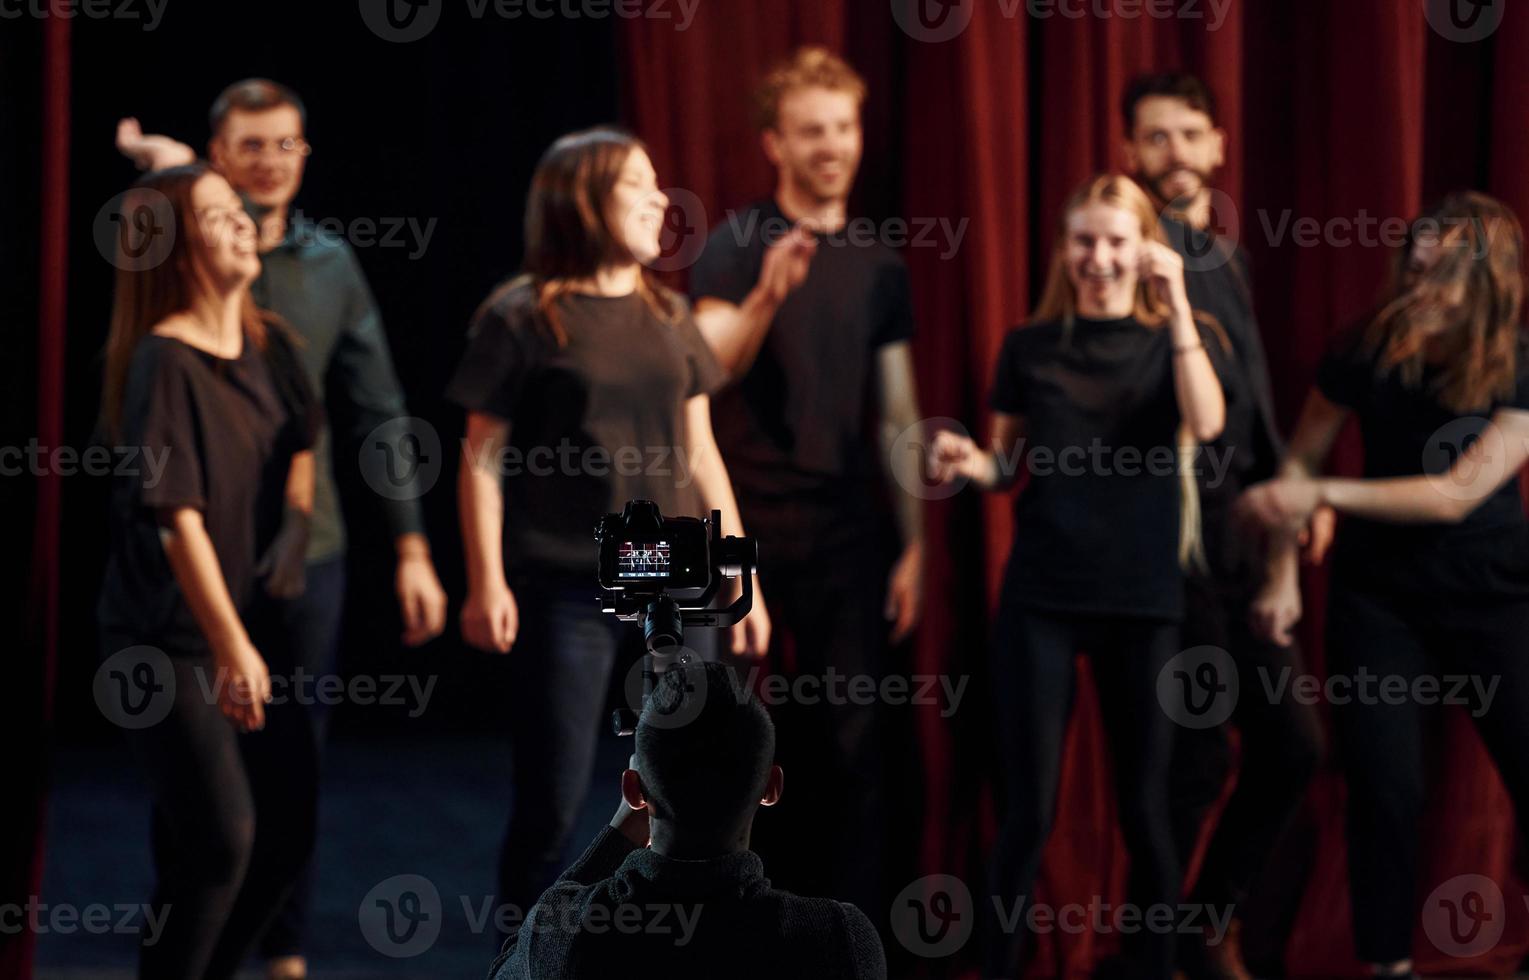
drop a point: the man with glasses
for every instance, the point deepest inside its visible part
(314, 283)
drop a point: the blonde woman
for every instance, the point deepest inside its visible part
(1094, 397)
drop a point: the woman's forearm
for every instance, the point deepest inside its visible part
(1202, 404)
(194, 563)
(480, 502)
(1400, 500)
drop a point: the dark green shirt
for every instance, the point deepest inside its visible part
(313, 281)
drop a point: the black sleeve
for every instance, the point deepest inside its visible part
(500, 359)
(1343, 376)
(534, 951)
(868, 959)
(361, 372)
(894, 321)
(305, 413)
(726, 270)
(172, 431)
(1008, 394)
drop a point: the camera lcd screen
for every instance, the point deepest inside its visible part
(643, 559)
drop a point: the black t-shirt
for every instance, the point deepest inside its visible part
(1406, 432)
(798, 421)
(216, 434)
(1097, 524)
(593, 424)
(1216, 277)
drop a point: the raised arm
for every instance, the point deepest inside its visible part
(735, 332)
(1202, 404)
(150, 151)
(1487, 463)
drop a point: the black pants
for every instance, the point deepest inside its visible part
(1281, 748)
(1383, 741)
(823, 570)
(233, 821)
(1033, 687)
(561, 669)
(310, 624)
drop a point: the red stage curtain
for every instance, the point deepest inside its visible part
(1345, 112)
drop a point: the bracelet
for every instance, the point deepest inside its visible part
(1188, 348)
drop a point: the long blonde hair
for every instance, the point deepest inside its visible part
(1059, 301)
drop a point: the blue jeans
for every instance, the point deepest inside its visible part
(561, 670)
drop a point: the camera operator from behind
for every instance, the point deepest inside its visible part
(671, 885)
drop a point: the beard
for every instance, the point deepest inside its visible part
(1157, 185)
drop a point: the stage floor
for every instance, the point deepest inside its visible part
(433, 806)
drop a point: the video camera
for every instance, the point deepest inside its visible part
(664, 572)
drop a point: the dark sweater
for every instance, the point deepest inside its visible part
(623, 910)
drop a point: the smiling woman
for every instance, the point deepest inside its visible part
(196, 375)
(587, 352)
(1112, 357)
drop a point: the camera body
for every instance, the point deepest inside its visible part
(644, 553)
(664, 573)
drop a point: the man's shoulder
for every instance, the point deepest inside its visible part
(750, 227)
(320, 242)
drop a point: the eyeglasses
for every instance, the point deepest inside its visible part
(250, 149)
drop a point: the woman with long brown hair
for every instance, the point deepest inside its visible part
(586, 384)
(199, 378)
(1105, 389)
(1431, 565)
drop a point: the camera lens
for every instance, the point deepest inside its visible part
(663, 629)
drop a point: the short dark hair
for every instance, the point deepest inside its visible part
(1172, 85)
(705, 746)
(254, 95)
